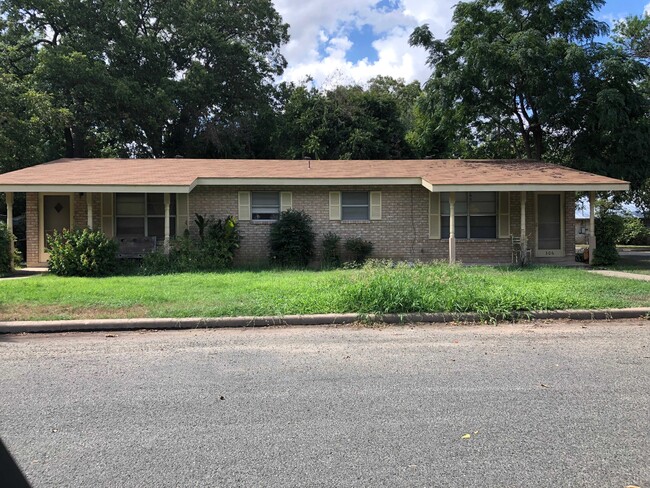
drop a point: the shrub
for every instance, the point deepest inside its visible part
(359, 248)
(215, 249)
(331, 254)
(220, 243)
(5, 254)
(608, 229)
(291, 242)
(81, 252)
(634, 232)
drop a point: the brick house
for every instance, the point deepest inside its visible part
(473, 211)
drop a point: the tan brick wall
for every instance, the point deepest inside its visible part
(32, 229)
(81, 210)
(402, 234)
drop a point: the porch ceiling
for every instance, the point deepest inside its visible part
(181, 175)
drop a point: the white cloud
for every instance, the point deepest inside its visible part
(321, 38)
(646, 9)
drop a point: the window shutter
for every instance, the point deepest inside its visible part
(335, 205)
(504, 214)
(107, 215)
(375, 205)
(182, 213)
(286, 200)
(244, 212)
(434, 215)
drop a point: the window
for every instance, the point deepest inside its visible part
(265, 205)
(475, 215)
(143, 214)
(355, 205)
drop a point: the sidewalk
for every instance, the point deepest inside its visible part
(620, 274)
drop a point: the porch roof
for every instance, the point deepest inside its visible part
(180, 175)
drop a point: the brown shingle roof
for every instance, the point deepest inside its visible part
(185, 172)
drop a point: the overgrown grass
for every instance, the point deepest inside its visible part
(492, 292)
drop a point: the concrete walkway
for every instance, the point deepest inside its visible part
(621, 274)
(22, 273)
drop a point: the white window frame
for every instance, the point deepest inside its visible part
(468, 215)
(253, 193)
(366, 206)
(146, 216)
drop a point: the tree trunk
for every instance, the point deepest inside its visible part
(69, 142)
(75, 142)
(538, 138)
(526, 136)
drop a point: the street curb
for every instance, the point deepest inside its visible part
(289, 320)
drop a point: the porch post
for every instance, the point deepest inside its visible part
(592, 225)
(89, 206)
(452, 227)
(9, 197)
(522, 229)
(167, 224)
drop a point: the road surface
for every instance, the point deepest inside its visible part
(534, 404)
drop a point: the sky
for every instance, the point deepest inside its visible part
(351, 41)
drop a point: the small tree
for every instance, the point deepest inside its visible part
(608, 229)
(634, 232)
(291, 242)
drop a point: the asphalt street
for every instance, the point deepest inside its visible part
(527, 405)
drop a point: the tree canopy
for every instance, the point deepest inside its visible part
(144, 77)
(199, 78)
(528, 78)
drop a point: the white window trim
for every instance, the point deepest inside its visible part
(468, 216)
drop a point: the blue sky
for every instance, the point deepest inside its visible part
(345, 41)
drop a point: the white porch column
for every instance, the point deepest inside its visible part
(452, 227)
(9, 196)
(89, 207)
(592, 225)
(167, 224)
(522, 229)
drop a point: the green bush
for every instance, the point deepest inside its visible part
(634, 232)
(331, 254)
(291, 241)
(359, 248)
(5, 254)
(215, 249)
(81, 252)
(608, 229)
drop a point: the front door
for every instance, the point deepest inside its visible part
(56, 214)
(550, 225)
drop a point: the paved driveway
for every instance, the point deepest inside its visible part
(545, 405)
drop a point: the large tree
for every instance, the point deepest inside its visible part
(347, 122)
(527, 78)
(145, 77)
(509, 67)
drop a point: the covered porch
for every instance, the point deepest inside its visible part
(125, 217)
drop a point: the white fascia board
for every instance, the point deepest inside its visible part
(305, 181)
(96, 188)
(529, 187)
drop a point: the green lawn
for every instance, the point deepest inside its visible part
(493, 292)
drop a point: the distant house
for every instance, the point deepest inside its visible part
(456, 210)
(582, 227)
